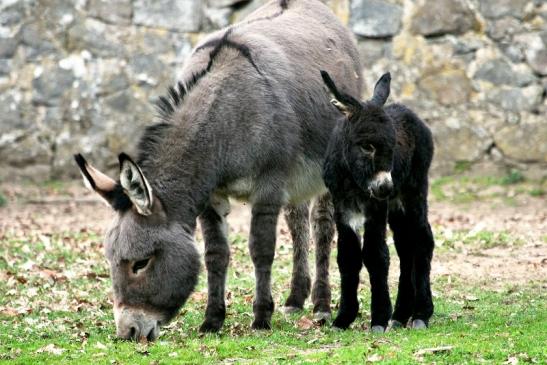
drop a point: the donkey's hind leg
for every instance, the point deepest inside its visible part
(297, 218)
(323, 233)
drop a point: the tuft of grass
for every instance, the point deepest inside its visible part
(512, 178)
(3, 200)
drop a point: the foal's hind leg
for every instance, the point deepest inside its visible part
(404, 305)
(423, 244)
(297, 218)
(323, 233)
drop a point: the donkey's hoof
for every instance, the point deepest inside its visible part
(321, 316)
(261, 324)
(378, 329)
(288, 309)
(210, 327)
(394, 324)
(418, 324)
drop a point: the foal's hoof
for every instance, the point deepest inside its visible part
(418, 324)
(394, 324)
(377, 329)
(261, 324)
(341, 323)
(290, 309)
(210, 327)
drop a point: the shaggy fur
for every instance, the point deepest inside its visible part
(249, 120)
(370, 143)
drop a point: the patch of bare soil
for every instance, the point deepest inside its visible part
(32, 210)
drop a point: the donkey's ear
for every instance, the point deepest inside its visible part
(343, 102)
(135, 185)
(382, 89)
(107, 188)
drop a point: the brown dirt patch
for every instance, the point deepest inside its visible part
(47, 210)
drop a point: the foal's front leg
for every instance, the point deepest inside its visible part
(376, 260)
(217, 255)
(262, 248)
(349, 264)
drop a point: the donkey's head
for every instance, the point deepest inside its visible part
(367, 137)
(154, 264)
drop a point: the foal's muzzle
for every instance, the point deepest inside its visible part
(381, 185)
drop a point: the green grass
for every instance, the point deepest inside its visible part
(463, 189)
(55, 308)
(3, 200)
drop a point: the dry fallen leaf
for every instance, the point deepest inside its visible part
(375, 358)
(304, 323)
(51, 349)
(433, 350)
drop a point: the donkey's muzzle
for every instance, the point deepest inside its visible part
(135, 324)
(381, 185)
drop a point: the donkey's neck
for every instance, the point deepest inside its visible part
(183, 178)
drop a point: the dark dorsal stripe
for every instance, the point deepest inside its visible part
(166, 105)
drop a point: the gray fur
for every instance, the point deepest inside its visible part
(251, 120)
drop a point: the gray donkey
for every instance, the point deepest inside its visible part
(250, 121)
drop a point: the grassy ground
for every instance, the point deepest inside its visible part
(55, 304)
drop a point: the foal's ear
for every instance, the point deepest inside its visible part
(107, 188)
(135, 185)
(381, 90)
(343, 102)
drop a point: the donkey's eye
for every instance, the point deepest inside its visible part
(368, 149)
(139, 265)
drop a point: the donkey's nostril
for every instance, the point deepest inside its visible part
(132, 333)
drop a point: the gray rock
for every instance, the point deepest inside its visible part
(438, 17)
(499, 8)
(113, 82)
(517, 99)
(11, 14)
(8, 46)
(435, 85)
(11, 114)
(217, 18)
(51, 85)
(178, 15)
(372, 50)
(96, 37)
(513, 52)
(374, 18)
(34, 36)
(500, 72)
(111, 11)
(524, 142)
(224, 3)
(148, 69)
(459, 141)
(5, 67)
(503, 29)
(535, 50)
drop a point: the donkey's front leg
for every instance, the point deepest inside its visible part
(262, 248)
(376, 260)
(217, 255)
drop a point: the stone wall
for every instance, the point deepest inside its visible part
(81, 75)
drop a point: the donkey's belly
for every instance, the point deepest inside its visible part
(302, 183)
(305, 182)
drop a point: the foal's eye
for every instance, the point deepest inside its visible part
(368, 150)
(139, 265)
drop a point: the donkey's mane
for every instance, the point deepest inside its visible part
(167, 105)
